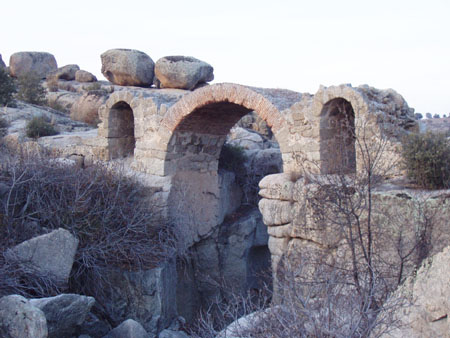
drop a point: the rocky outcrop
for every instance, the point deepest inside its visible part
(2, 64)
(128, 329)
(426, 313)
(235, 256)
(147, 296)
(49, 255)
(64, 313)
(64, 73)
(84, 76)
(183, 72)
(85, 109)
(39, 63)
(20, 319)
(128, 67)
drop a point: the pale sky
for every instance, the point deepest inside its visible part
(298, 45)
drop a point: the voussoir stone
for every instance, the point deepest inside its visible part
(64, 73)
(39, 63)
(128, 67)
(183, 72)
(128, 329)
(20, 319)
(64, 313)
(84, 76)
(51, 254)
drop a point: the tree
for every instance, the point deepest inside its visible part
(428, 115)
(418, 116)
(31, 90)
(7, 88)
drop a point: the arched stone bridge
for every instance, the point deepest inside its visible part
(179, 134)
(171, 130)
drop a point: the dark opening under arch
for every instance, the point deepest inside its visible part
(337, 137)
(121, 130)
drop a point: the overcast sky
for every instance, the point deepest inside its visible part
(293, 44)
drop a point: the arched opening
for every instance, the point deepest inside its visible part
(217, 214)
(121, 138)
(337, 137)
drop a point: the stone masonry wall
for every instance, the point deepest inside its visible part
(294, 231)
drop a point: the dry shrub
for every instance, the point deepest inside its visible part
(105, 210)
(30, 89)
(40, 126)
(427, 159)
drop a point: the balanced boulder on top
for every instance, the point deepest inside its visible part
(127, 67)
(182, 72)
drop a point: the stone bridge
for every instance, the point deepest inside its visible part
(178, 135)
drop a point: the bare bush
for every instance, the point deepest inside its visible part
(105, 210)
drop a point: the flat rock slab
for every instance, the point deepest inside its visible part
(51, 254)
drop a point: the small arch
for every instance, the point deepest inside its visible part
(337, 137)
(121, 135)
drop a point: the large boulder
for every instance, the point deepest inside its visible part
(182, 72)
(64, 73)
(20, 319)
(39, 63)
(2, 64)
(86, 107)
(128, 329)
(84, 76)
(128, 67)
(64, 313)
(49, 255)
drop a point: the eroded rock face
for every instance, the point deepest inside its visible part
(429, 292)
(86, 107)
(183, 72)
(64, 313)
(128, 67)
(64, 73)
(40, 63)
(50, 255)
(84, 76)
(20, 319)
(234, 256)
(147, 296)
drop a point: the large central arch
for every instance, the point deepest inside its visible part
(199, 122)
(198, 125)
